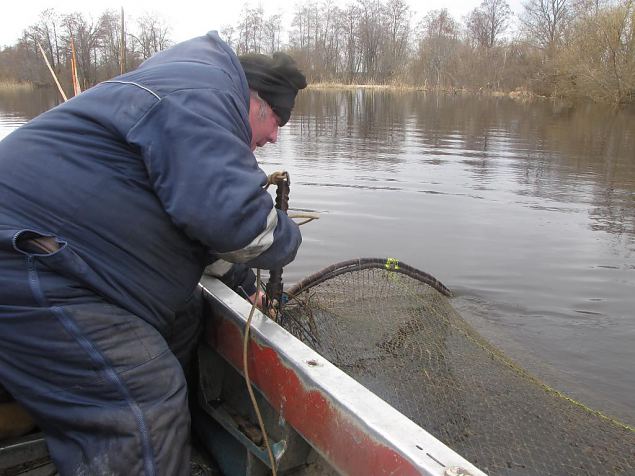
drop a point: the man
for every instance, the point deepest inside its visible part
(110, 206)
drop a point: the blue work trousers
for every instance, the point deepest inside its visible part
(107, 389)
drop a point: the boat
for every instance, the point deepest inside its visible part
(318, 420)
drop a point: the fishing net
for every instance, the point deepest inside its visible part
(393, 329)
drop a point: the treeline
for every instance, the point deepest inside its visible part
(104, 47)
(553, 48)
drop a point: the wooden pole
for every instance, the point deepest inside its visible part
(59, 86)
(76, 87)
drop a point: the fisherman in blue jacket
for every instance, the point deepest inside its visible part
(111, 205)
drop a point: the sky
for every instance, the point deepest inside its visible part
(188, 18)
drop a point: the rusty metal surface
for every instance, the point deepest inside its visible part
(350, 427)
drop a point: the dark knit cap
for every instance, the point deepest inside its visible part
(277, 80)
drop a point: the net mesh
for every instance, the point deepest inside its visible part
(398, 335)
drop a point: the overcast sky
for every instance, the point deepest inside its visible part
(187, 18)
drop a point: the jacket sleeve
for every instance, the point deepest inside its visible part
(195, 146)
(237, 276)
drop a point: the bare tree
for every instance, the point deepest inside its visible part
(300, 37)
(87, 36)
(439, 24)
(110, 25)
(47, 32)
(228, 34)
(316, 38)
(351, 54)
(97, 44)
(488, 22)
(271, 35)
(600, 57)
(334, 41)
(18, 62)
(437, 48)
(545, 22)
(250, 30)
(152, 35)
(370, 36)
(397, 23)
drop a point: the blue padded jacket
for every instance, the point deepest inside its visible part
(140, 177)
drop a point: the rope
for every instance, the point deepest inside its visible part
(250, 389)
(307, 216)
(273, 179)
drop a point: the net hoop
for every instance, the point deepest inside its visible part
(389, 264)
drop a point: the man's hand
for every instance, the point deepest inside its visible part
(258, 297)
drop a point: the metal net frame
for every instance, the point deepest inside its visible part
(392, 328)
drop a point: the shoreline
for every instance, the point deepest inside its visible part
(14, 85)
(518, 94)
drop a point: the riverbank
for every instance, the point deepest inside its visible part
(518, 94)
(9, 85)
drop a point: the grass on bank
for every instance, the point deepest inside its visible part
(520, 94)
(15, 85)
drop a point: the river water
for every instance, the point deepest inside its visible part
(525, 210)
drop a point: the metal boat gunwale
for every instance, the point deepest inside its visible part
(357, 432)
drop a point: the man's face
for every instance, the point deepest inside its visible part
(264, 123)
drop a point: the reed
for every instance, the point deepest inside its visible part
(334, 85)
(520, 94)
